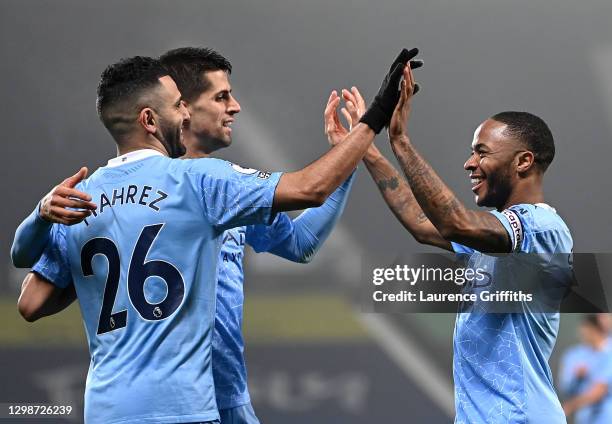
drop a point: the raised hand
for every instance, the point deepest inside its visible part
(334, 129)
(54, 207)
(379, 113)
(399, 119)
(354, 107)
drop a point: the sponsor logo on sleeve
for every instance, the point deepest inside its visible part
(264, 175)
(516, 229)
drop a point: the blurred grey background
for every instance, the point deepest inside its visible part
(312, 356)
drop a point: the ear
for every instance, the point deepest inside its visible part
(147, 118)
(525, 161)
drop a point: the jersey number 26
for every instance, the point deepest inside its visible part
(139, 270)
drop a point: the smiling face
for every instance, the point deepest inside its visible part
(491, 164)
(173, 116)
(212, 114)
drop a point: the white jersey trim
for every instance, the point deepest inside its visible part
(133, 157)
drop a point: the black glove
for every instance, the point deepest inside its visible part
(381, 109)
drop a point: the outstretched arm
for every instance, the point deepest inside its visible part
(395, 190)
(299, 240)
(32, 234)
(479, 230)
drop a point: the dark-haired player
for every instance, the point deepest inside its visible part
(586, 373)
(500, 361)
(202, 76)
(144, 263)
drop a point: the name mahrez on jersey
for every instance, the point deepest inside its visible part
(132, 194)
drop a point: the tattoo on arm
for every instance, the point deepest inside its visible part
(400, 199)
(443, 208)
(436, 199)
(422, 218)
(388, 184)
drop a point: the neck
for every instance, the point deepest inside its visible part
(134, 143)
(527, 190)
(195, 149)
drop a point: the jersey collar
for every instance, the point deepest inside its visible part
(133, 157)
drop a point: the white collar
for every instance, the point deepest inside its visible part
(132, 157)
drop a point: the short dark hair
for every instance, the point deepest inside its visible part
(122, 84)
(532, 131)
(186, 65)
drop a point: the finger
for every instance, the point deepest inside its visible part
(68, 213)
(72, 203)
(404, 57)
(330, 111)
(408, 79)
(352, 110)
(412, 81)
(347, 116)
(349, 97)
(76, 178)
(332, 96)
(65, 191)
(403, 95)
(361, 104)
(330, 100)
(338, 124)
(417, 63)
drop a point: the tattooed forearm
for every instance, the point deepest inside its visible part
(437, 201)
(397, 193)
(390, 184)
(422, 218)
(398, 196)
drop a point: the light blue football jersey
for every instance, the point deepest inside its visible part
(500, 360)
(145, 272)
(598, 366)
(600, 372)
(229, 368)
(294, 240)
(576, 356)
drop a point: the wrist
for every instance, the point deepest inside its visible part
(39, 217)
(372, 156)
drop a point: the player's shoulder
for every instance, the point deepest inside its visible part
(538, 228)
(214, 166)
(154, 165)
(537, 217)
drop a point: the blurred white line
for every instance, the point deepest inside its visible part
(404, 350)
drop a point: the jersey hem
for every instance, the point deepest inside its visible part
(169, 419)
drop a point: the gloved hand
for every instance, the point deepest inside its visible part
(379, 113)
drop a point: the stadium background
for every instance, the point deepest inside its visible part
(312, 356)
